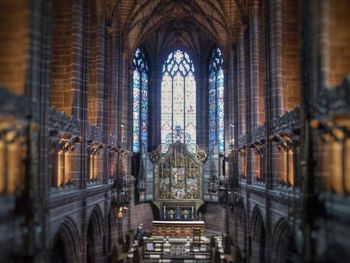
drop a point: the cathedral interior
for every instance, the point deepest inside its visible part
(175, 131)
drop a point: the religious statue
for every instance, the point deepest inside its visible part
(171, 213)
(185, 213)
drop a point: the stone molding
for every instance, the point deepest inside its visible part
(288, 122)
(61, 122)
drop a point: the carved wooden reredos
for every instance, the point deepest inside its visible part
(177, 168)
(178, 174)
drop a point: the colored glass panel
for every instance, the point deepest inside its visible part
(216, 101)
(144, 108)
(190, 106)
(140, 101)
(220, 108)
(212, 111)
(178, 98)
(166, 105)
(136, 111)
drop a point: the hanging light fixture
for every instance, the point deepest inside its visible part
(120, 197)
(120, 213)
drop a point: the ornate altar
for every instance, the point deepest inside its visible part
(178, 178)
(177, 228)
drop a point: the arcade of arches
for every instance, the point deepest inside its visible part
(231, 113)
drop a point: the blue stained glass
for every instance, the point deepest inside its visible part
(178, 95)
(140, 101)
(136, 111)
(220, 108)
(212, 110)
(144, 108)
(216, 101)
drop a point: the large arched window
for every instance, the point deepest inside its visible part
(178, 96)
(216, 101)
(140, 101)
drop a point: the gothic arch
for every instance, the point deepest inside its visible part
(94, 236)
(67, 241)
(96, 217)
(112, 228)
(58, 254)
(258, 236)
(241, 226)
(282, 241)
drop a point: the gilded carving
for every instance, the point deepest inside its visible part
(155, 155)
(178, 172)
(288, 122)
(201, 155)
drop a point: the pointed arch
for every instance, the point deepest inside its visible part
(112, 228)
(94, 236)
(97, 218)
(67, 240)
(241, 226)
(282, 241)
(257, 222)
(258, 236)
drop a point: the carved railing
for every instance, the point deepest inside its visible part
(64, 129)
(285, 134)
(59, 121)
(288, 122)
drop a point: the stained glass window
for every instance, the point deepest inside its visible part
(216, 101)
(140, 101)
(178, 96)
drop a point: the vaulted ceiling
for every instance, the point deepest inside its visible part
(189, 24)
